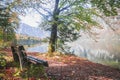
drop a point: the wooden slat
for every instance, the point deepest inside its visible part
(43, 62)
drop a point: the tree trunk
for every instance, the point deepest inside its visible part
(53, 39)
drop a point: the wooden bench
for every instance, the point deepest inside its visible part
(19, 55)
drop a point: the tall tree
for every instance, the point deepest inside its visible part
(66, 17)
(64, 21)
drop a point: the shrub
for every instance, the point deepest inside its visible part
(3, 61)
(34, 71)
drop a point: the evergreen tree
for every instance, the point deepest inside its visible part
(8, 22)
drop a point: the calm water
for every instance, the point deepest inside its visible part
(40, 47)
(104, 51)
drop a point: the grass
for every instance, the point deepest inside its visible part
(112, 64)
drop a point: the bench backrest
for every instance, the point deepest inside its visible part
(19, 51)
(14, 53)
(22, 53)
(19, 55)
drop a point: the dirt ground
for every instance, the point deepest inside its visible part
(69, 67)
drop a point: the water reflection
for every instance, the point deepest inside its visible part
(105, 51)
(33, 45)
(42, 48)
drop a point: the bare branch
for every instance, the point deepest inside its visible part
(56, 5)
(68, 6)
(63, 2)
(46, 10)
(65, 8)
(46, 17)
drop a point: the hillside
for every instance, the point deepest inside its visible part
(30, 31)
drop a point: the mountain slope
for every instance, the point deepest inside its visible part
(28, 30)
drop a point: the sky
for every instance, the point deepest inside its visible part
(32, 19)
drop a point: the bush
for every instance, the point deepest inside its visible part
(34, 71)
(3, 61)
(4, 44)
